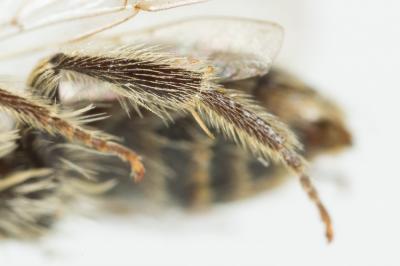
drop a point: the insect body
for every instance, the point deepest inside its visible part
(207, 78)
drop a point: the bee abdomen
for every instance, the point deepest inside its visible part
(207, 171)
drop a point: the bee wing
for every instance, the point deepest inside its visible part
(24, 15)
(43, 22)
(37, 10)
(156, 5)
(238, 48)
(57, 21)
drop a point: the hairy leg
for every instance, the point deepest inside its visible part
(160, 84)
(317, 121)
(38, 114)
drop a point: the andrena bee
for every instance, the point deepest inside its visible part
(191, 107)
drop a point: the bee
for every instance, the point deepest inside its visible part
(193, 106)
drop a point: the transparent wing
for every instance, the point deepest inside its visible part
(29, 15)
(52, 22)
(238, 48)
(155, 5)
(34, 13)
(30, 25)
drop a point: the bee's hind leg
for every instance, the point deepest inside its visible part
(317, 121)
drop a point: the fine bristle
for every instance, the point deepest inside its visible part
(7, 142)
(23, 217)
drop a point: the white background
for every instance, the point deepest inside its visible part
(348, 49)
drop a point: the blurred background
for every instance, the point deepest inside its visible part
(349, 51)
